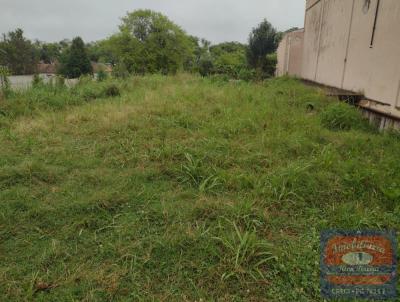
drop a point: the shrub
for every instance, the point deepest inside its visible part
(120, 71)
(243, 252)
(341, 116)
(112, 91)
(75, 61)
(219, 78)
(270, 64)
(102, 76)
(90, 92)
(60, 81)
(206, 66)
(247, 74)
(85, 80)
(4, 81)
(37, 80)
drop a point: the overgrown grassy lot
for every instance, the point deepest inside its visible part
(183, 189)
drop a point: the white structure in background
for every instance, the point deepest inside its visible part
(352, 45)
(290, 52)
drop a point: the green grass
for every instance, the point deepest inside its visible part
(182, 189)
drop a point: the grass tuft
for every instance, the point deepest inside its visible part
(243, 253)
(341, 116)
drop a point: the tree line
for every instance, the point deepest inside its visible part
(147, 42)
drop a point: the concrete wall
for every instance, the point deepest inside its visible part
(338, 52)
(290, 54)
(22, 82)
(281, 54)
(312, 28)
(331, 53)
(375, 69)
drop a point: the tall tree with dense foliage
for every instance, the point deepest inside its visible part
(75, 62)
(49, 52)
(229, 58)
(149, 42)
(98, 52)
(202, 60)
(18, 54)
(263, 40)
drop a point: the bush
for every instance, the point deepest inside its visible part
(37, 80)
(60, 81)
(4, 81)
(120, 71)
(206, 66)
(75, 61)
(219, 78)
(112, 91)
(341, 116)
(247, 74)
(85, 80)
(270, 64)
(90, 92)
(102, 76)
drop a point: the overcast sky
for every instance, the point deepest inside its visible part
(215, 20)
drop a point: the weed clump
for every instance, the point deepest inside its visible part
(243, 253)
(102, 76)
(37, 80)
(341, 116)
(197, 176)
(112, 91)
(93, 90)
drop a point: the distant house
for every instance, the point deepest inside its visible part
(97, 67)
(51, 69)
(47, 69)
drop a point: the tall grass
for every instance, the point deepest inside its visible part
(182, 189)
(55, 96)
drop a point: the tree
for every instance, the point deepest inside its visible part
(148, 42)
(263, 40)
(270, 64)
(229, 58)
(282, 33)
(206, 65)
(126, 53)
(201, 60)
(75, 62)
(99, 52)
(49, 52)
(18, 54)
(228, 47)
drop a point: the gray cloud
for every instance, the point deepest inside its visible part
(215, 20)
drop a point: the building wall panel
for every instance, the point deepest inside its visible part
(337, 49)
(311, 3)
(311, 41)
(333, 41)
(375, 69)
(281, 53)
(295, 55)
(289, 54)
